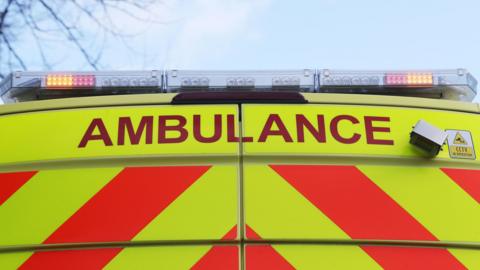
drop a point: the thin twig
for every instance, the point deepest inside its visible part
(70, 34)
(14, 53)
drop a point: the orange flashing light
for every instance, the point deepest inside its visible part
(69, 81)
(409, 79)
(419, 79)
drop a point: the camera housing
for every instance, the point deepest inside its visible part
(428, 137)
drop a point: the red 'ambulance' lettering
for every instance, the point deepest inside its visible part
(336, 134)
(370, 129)
(231, 137)
(179, 128)
(217, 129)
(174, 129)
(280, 131)
(96, 123)
(125, 123)
(317, 132)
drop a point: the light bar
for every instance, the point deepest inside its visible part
(455, 84)
(24, 85)
(193, 80)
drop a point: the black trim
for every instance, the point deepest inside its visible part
(303, 242)
(227, 97)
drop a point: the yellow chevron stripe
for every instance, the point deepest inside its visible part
(274, 209)
(469, 257)
(207, 210)
(11, 261)
(167, 257)
(430, 196)
(326, 257)
(39, 207)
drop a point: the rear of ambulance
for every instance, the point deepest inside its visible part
(299, 169)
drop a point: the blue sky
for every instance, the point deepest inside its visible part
(275, 34)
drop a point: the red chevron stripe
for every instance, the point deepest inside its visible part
(468, 180)
(259, 257)
(71, 259)
(117, 212)
(220, 257)
(11, 182)
(364, 211)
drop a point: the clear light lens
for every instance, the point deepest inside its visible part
(195, 81)
(204, 81)
(128, 82)
(302, 80)
(350, 80)
(285, 81)
(240, 81)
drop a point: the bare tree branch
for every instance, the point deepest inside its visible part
(4, 14)
(14, 53)
(70, 34)
(53, 23)
(33, 27)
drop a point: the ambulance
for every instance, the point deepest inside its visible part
(279, 169)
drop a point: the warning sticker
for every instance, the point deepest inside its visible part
(460, 144)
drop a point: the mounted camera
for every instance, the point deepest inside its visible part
(427, 137)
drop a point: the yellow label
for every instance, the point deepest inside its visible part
(119, 131)
(460, 144)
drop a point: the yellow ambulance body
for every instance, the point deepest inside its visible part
(162, 181)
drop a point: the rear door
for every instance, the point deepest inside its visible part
(340, 187)
(127, 187)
